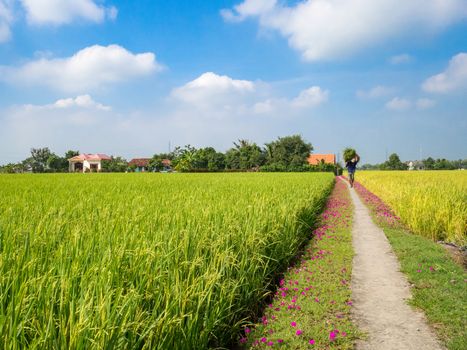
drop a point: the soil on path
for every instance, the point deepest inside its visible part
(380, 291)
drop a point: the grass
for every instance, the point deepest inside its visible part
(311, 306)
(429, 203)
(438, 283)
(145, 261)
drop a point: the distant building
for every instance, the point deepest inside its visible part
(167, 163)
(315, 159)
(414, 165)
(87, 162)
(141, 164)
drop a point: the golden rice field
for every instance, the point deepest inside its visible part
(145, 261)
(430, 203)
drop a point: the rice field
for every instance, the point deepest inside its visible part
(145, 261)
(431, 203)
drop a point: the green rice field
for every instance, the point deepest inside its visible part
(145, 261)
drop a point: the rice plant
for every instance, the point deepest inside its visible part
(430, 203)
(145, 261)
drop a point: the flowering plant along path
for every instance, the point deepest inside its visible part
(380, 291)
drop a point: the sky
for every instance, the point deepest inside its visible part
(133, 78)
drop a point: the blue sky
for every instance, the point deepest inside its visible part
(128, 77)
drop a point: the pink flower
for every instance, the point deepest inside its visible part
(312, 342)
(270, 343)
(263, 340)
(243, 340)
(293, 324)
(247, 330)
(298, 332)
(280, 340)
(332, 335)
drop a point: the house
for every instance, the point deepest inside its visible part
(167, 163)
(414, 165)
(315, 159)
(87, 162)
(140, 164)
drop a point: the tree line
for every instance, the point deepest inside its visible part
(394, 163)
(287, 153)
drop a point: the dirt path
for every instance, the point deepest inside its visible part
(380, 290)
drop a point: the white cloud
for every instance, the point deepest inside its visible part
(331, 29)
(79, 110)
(399, 104)
(59, 12)
(210, 85)
(222, 94)
(216, 92)
(375, 92)
(306, 99)
(311, 97)
(88, 69)
(400, 59)
(248, 8)
(454, 77)
(82, 101)
(6, 18)
(425, 103)
(265, 107)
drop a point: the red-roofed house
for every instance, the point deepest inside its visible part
(87, 162)
(315, 159)
(140, 164)
(167, 163)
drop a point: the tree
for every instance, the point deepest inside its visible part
(9, 168)
(155, 164)
(244, 156)
(70, 154)
(56, 163)
(394, 163)
(38, 160)
(288, 152)
(114, 165)
(208, 159)
(429, 163)
(183, 158)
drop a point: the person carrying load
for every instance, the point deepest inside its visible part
(351, 159)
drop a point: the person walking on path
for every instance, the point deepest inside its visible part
(351, 166)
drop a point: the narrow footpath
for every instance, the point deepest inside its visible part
(380, 291)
